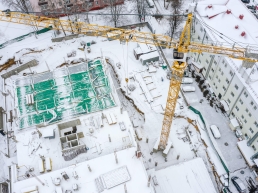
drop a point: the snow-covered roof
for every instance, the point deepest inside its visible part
(149, 55)
(105, 172)
(144, 48)
(234, 122)
(218, 18)
(246, 151)
(191, 177)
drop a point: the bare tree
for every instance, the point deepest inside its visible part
(142, 8)
(115, 9)
(175, 21)
(17, 5)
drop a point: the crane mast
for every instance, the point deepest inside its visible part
(178, 68)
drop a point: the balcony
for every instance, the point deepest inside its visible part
(44, 2)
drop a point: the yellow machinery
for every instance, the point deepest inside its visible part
(181, 46)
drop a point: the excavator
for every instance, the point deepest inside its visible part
(180, 49)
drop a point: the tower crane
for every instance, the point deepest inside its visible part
(181, 48)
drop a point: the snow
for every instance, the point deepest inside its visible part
(234, 122)
(104, 167)
(246, 151)
(187, 80)
(225, 105)
(149, 56)
(191, 177)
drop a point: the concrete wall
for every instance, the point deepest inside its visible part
(19, 68)
(65, 38)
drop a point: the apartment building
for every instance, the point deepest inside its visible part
(230, 81)
(64, 7)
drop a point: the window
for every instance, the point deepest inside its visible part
(227, 81)
(233, 114)
(236, 86)
(207, 61)
(200, 61)
(97, 2)
(216, 87)
(251, 130)
(53, 5)
(207, 37)
(212, 70)
(209, 77)
(215, 62)
(60, 3)
(223, 61)
(246, 95)
(252, 103)
(219, 80)
(246, 136)
(241, 101)
(256, 124)
(232, 94)
(247, 110)
(199, 38)
(44, 7)
(201, 29)
(219, 69)
(229, 101)
(222, 73)
(67, 1)
(231, 73)
(237, 108)
(245, 121)
(250, 114)
(255, 107)
(217, 76)
(226, 65)
(224, 88)
(253, 147)
(242, 117)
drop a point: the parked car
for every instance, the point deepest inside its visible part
(215, 131)
(238, 184)
(188, 89)
(251, 7)
(187, 81)
(238, 133)
(246, 1)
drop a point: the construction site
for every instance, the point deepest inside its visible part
(87, 107)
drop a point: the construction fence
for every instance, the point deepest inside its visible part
(201, 117)
(24, 36)
(66, 92)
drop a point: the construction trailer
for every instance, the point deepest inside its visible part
(150, 57)
(142, 49)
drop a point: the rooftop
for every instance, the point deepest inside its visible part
(105, 174)
(191, 176)
(60, 148)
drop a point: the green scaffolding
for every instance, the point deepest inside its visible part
(66, 92)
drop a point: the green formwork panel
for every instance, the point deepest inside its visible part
(84, 76)
(80, 86)
(41, 86)
(44, 95)
(65, 96)
(45, 104)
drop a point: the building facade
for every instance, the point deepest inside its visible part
(232, 83)
(64, 7)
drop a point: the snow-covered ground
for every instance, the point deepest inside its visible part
(187, 141)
